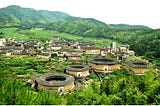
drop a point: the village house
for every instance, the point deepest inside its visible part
(9, 42)
(55, 47)
(69, 52)
(2, 42)
(5, 51)
(131, 53)
(55, 39)
(74, 57)
(62, 52)
(17, 50)
(123, 48)
(11, 50)
(87, 44)
(64, 44)
(30, 45)
(104, 50)
(121, 55)
(91, 50)
(18, 44)
(113, 47)
(43, 55)
(78, 44)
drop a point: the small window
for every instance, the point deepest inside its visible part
(105, 68)
(93, 52)
(79, 74)
(60, 89)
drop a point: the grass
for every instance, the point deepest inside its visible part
(19, 34)
(40, 34)
(97, 41)
(14, 91)
(22, 65)
(19, 65)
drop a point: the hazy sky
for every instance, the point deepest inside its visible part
(134, 12)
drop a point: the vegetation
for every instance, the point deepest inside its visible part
(119, 87)
(26, 18)
(41, 34)
(27, 66)
(19, 34)
(145, 42)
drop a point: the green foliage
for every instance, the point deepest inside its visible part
(41, 35)
(23, 18)
(23, 64)
(119, 87)
(18, 34)
(27, 18)
(131, 89)
(144, 42)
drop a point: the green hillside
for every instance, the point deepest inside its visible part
(116, 87)
(143, 40)
(17, 16)
(124, 26)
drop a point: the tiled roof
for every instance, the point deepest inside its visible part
(103, 61)
(53, 83)
(137, 64)
(77, 68)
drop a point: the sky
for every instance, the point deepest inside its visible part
(132, 12)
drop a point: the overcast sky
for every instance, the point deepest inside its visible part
(133, 12)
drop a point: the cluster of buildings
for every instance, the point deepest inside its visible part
(61, 47)
(72, 50)
(67, 81)
(61, 82)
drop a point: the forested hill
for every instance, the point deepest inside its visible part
(17, 16)
(144, 40)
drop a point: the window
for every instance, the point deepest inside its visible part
(60, 89)
(105, 68)
(79, 74)
(93, 52)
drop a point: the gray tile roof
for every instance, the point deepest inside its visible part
(137, 64)
(44, 80)
(103, 61)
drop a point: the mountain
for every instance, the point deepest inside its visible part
(26, 18)
(124, 26)
(17, 16)
(143, 40)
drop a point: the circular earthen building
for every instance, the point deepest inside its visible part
(56, 82)
(79, 71)
(138, 67)
(103, 64)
